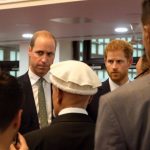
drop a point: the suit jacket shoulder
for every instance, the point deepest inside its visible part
(124, 117)
(67, 132)
(29, 120)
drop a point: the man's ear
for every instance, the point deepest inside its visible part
(29, 50)
(90, 99)
(105, 60)
(146, 30)
(60, 96)
(130, 61)
(17, 120)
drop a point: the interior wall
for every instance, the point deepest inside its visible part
(23, 61)
(65, 49)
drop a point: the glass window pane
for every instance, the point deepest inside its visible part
(140, 53)
(1, 55)
(93, 40)
(100, 74)
(107, 40)
(18, 56)
(140, 46)
(93, 49)
(123, 38)
(81, 58)
(12, 55)
(129, 39)
(135, 53)
(100, 50)
(100, 40)
(12, 73)
(81, 47)
(132, 74)
(105, 75)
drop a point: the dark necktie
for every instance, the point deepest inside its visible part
(42, 104)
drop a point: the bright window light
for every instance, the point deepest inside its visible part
(121, 29)
(27, 35)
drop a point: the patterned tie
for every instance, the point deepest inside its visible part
(42, 104)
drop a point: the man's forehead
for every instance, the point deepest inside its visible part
(114, 53)
(44, 50)
(116, 58)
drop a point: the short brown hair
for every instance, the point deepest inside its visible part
(119, 45)
(42, 33)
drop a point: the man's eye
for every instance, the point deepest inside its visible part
(119, 61)
(39, 53)
(50, 54)
(110, 61)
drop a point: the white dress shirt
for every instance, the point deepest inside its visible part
(113, 85)
(73, 110)
(47, 90)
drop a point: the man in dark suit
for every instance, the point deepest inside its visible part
(123, 121)
(41, 56)
(118, 59)
(73, 84)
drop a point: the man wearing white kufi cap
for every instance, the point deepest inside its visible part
(73, 84)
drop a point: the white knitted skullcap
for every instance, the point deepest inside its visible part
(74, 77)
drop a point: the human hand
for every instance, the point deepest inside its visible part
(20, 145)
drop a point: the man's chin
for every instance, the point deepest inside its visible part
(115, 78)
(42, 72)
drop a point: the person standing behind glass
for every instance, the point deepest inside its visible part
(41, 54)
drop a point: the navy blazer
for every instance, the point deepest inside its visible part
(29, 120)
(93, 106)
(72, 131)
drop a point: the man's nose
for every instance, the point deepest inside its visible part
(114, 64)
(44, 58)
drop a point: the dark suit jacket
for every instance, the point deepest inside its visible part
(123, 121)
(93, 106)
(29, 117)
(72, 131)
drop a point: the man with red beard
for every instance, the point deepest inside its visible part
(117, 58)
(41, 55)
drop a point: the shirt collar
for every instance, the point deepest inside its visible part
(73, 110)
(34, 78)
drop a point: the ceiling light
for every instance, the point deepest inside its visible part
(121, 29)
(74, 20)
(27, 35)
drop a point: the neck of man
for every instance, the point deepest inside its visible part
(122, 81)
(4, 142)
(73, 100)
(6, 138)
